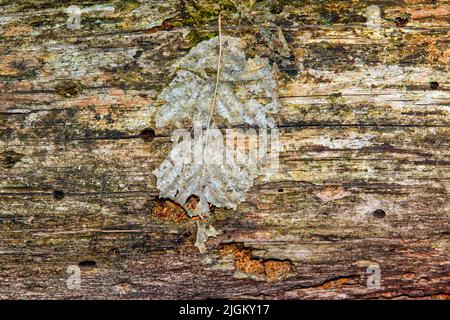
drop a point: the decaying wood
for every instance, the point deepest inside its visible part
(364, 126)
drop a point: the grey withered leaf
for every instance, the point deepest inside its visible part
(247, 90)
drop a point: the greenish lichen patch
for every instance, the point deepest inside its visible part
(325, 13)
(68, 88)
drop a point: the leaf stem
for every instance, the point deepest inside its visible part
(213, 101)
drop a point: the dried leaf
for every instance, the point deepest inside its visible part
(247, 91)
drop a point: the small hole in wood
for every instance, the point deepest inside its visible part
(280, 190)
(58, 194)
(434, 85)
(87, 264)
(401, 21)
(147, 134)
(379, 214)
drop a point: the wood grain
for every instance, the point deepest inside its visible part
(363, 127)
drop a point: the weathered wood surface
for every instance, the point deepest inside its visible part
(363, 125)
